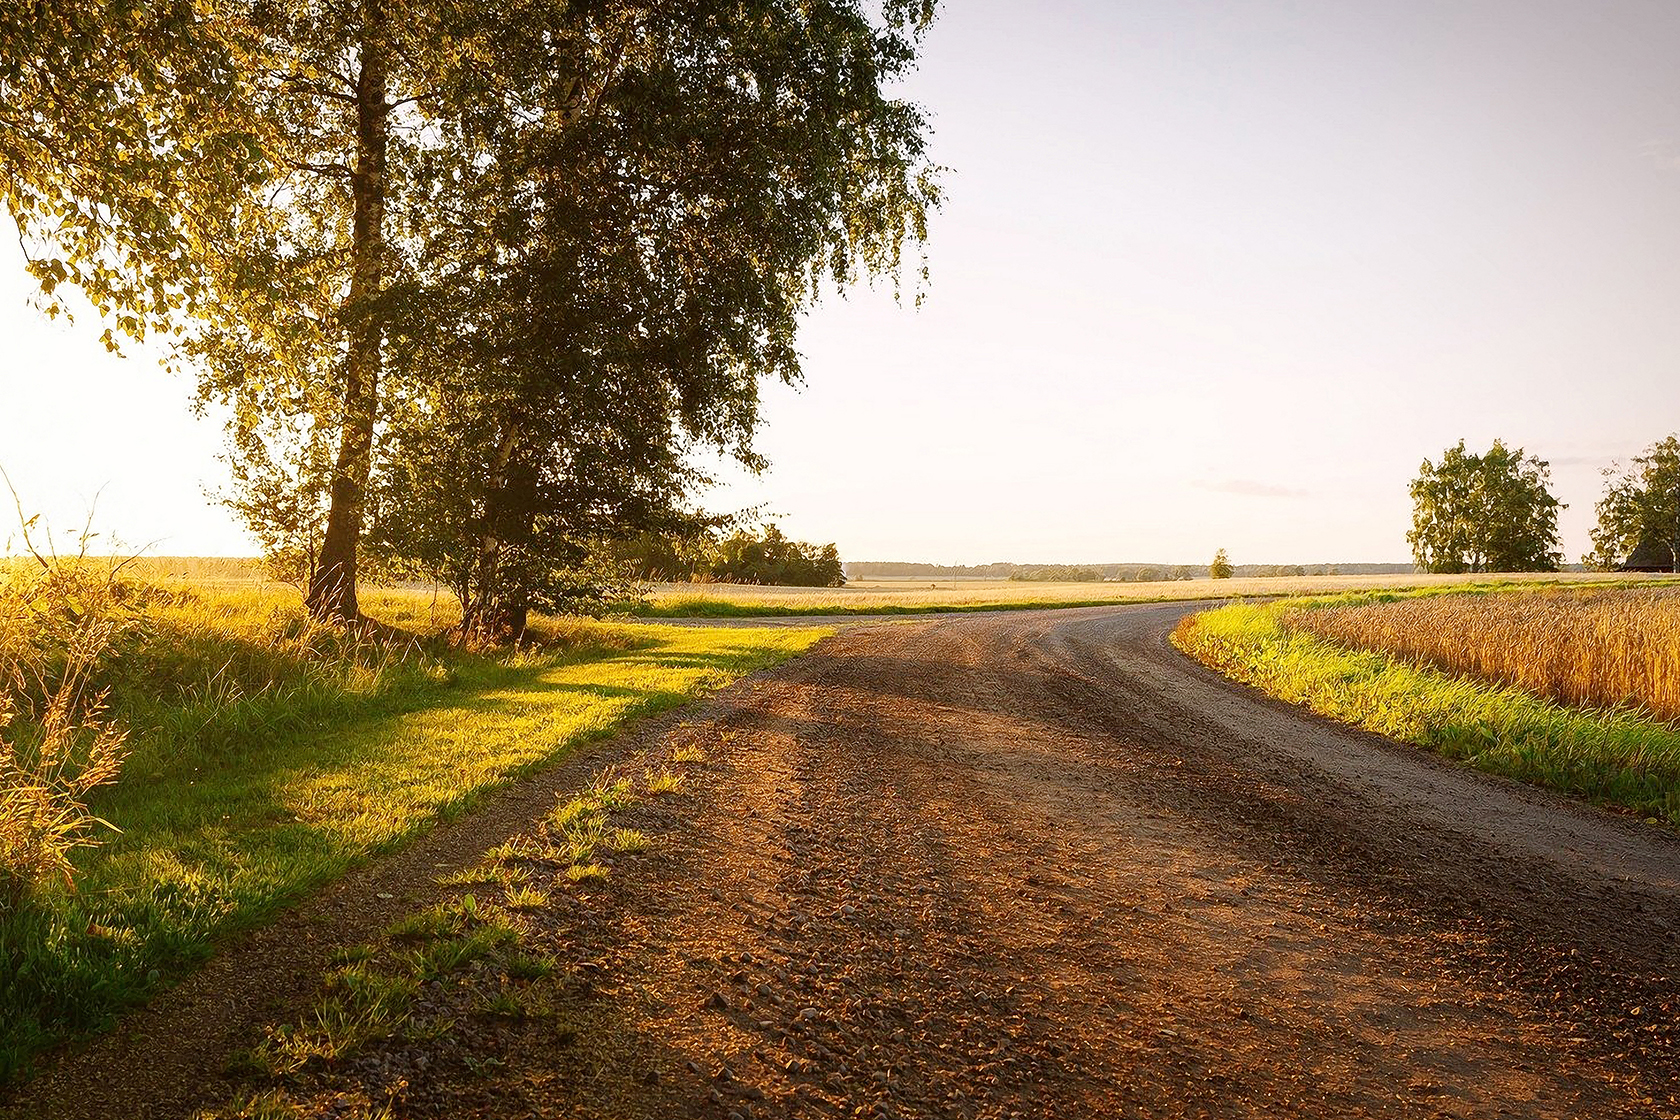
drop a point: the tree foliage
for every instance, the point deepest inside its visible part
(1057, 573)
(701, 554)
(641, 246)
(110, 115)
(1221, 567)
(1491, 512)
(1639, 515)
(539, 250)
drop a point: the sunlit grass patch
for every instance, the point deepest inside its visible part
(526, 898)
(662, 783)
(585, 872)
(1615, 756)
(269, 755)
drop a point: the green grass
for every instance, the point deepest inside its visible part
(1617, 758)
(370, 996)
(270, 756)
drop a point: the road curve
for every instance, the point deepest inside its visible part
(1040, 864)
(1195, 900)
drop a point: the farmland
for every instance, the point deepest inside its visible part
(678, 600)
(1588, 648)
(1569, 688)
(428, 608)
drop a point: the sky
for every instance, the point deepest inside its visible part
(1208, 274)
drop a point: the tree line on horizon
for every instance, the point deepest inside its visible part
(1079, 573)
(703, 556)
(1494, 511)
(473, 282)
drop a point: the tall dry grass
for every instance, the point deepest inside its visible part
(1596, 648)
(58, 619)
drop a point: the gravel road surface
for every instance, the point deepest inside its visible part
(1028, 864)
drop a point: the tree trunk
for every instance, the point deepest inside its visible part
(332, 590)
(483, 616)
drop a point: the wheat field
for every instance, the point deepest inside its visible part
(1588, 647)
(860, 596)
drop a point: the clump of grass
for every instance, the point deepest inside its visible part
(581, 825)
(663, 783)
(58, 620)
(526, 898)
(369, 993)
(1616, 757)
(361, 1006)
(528, 966)
(688, 754)
(585, 872)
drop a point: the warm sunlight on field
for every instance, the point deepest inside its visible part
(1588, 647)
(862, 596)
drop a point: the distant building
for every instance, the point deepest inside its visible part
(1652, 555)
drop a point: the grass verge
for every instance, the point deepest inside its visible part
(467, 957)
(262, 768)
(1613, 757)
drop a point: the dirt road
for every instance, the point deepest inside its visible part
(1041, 865)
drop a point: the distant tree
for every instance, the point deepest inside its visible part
(1491, 512)
(1057, 573)
(771, 558)
(1221, 566)
(1639, 515)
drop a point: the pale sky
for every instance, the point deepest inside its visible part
(1208, 275)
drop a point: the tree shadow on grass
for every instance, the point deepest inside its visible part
(226, 826)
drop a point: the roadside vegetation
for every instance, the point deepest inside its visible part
(1569, 688)
(182, 761)
(1585, 647)
(470, 956)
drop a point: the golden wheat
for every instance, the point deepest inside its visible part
(1586, 647)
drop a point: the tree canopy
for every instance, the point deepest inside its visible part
(1639, 515)
(109, 115)
(1221, 567)
(1490, 512)
(473, 279)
